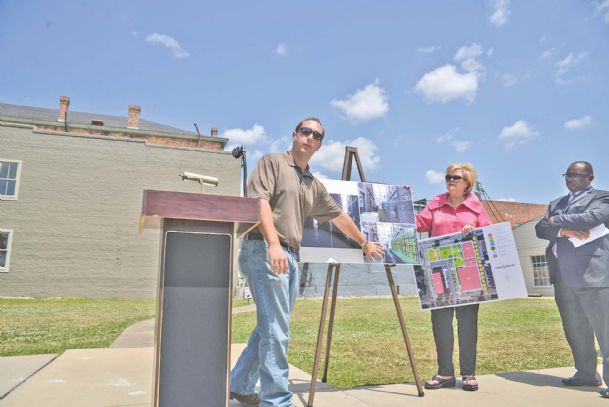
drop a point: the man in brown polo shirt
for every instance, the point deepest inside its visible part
(269, 260)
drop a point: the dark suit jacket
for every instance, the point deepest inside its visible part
(587, 265)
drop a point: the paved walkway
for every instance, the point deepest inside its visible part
(122, 377)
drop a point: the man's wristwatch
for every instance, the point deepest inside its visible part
(364, 243)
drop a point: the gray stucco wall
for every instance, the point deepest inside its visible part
(75, 224)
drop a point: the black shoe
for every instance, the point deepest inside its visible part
(441, 382)
(469, 386)
(248, 400)
(605, 393)
(578, 381)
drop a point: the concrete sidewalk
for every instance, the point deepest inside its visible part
(122, 377)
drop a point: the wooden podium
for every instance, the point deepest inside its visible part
(194, 298)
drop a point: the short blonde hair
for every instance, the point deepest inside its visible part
(469, 174)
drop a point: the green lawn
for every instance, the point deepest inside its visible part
(241, 303)
(368, 349)
(37, 326)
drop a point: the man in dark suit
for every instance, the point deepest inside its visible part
(580, 274)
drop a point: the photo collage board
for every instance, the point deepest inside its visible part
(384, 213)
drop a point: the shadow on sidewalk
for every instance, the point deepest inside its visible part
(542, 380)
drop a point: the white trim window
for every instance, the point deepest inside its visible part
(6, 238)
(541, 273)
(10, 172)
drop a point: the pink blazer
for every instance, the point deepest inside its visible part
(440, 218)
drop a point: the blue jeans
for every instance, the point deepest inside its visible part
(265, 354)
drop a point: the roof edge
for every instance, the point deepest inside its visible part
(188, 136)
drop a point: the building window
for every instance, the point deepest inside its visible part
(9, 179)
(541, 273)
(6, 237)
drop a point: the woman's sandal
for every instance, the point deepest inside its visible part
(469, 386)
(441, 382)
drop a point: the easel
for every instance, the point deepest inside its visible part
(333, 274)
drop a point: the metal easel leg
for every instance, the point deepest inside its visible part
(398, 308)
(324, 377)
(320, 335)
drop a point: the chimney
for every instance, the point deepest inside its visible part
(214, 132)
(133, 120)
(64, 103)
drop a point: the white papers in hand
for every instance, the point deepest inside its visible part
(595, 233)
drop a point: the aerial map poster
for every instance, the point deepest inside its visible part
(384, 214)
(459, 269)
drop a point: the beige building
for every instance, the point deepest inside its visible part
(70, 197)
(532, 254)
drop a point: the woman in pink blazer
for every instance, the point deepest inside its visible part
(457, 210)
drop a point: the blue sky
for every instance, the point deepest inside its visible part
(518, 88)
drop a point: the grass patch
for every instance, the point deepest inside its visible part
(38, 326)
(368, 349)
(241, 303)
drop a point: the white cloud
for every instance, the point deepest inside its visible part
(508, 80)
(445, 84)
(366, 104)
(547, 54)
(255, 156)
(518, 133)
(564, 66)
(169, 42)
(501, 12)
(253, 136)
(468, 52)
(602, 8)
(281, 49)
(451, 137)
(448, 136)
(280, 145)
(319, 175)
(331, 154)
(461, 145)
(468, 57)
(428, 50)
(434, 177)
(505, 199)
(579, 123)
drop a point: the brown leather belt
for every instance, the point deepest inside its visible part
(258, 236)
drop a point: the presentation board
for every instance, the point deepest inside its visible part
(384, 213)
(459, 269)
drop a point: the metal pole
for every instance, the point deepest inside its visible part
(320, 335)
(324, 377)
(398, 308)
(244, 174)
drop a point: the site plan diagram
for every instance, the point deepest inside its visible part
(459, 269)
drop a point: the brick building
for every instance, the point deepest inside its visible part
(70, 197)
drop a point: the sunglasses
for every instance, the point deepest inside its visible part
(575, 175)
(305, 131)
(449, 178)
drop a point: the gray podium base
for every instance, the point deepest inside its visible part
(193, 335)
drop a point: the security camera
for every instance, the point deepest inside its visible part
(202, 179)
(238, 151)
